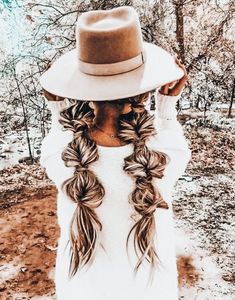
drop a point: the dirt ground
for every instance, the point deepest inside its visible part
(28, 244)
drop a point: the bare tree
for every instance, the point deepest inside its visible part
(231, 101)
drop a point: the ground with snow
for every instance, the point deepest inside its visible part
(203, 209)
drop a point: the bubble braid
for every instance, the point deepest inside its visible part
(142, 165)
(83, 188)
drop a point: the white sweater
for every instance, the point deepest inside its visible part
(110, 277)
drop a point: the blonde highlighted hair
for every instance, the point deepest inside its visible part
(85, 189)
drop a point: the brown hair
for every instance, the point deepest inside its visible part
(87, 192)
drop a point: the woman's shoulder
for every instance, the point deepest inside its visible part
(54, 142)
(56, 139)
(175, 147)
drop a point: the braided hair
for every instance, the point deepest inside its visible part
(85, 189)
(142, 165)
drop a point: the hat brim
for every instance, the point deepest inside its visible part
(66, 80)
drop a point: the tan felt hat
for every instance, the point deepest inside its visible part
(111, 61)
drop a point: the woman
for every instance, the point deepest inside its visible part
(114, 165)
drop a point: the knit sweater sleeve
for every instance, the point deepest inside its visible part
(170, 137)
(57, 138)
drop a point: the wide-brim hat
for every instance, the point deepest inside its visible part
(111, 61)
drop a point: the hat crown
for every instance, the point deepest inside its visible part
(111, 61)
(111, 36)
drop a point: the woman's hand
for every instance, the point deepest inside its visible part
(174, 88)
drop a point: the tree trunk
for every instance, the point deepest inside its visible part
(25, 117)
(180, 28)
(231, 101)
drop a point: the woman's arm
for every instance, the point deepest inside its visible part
(57, 138)
(170, 136)
(170, 139)
(170, 131)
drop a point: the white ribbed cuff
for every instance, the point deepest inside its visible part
(166, 106)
